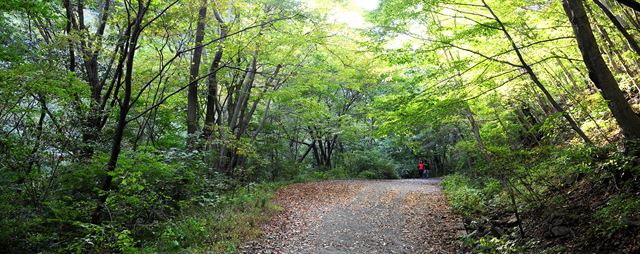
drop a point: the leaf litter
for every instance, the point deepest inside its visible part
(399, 216)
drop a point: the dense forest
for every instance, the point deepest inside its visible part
(144, 126)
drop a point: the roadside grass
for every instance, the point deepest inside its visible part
(221, 223)
(218, 225)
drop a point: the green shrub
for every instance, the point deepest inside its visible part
(183, 234)
(102, 239)
(619, 213)
(367, 174)
(494, 245)
(278, 170)
(218, 226)
(337, 173)
(492, 187)
(465, 199)
(374, 161)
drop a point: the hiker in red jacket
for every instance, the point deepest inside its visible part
(421, 168)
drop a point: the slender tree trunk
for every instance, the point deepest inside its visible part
(632, 42)
(194, 72)
(316, 156)
(609, 48)
(599, 72)
(244, 94)
(124, 110)
(514, 205)
(528, 122)
(624, 67)
(239, 109)
(212, 84)
(68, 27)
(584, 109)
(631, 19)
(33, 158)
(569, 76)
(542, 102)
(246, 118)
(536, 80)
(304, 155)
(265, 115)
(476, 132)
(90, 49)
(631, 3)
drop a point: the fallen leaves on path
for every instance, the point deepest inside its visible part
(302, 205)
(429, 223)
(403, 216)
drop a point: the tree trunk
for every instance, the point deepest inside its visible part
(530, 137)
(599, 72)
(124, 110)
(245, 93)
(212, 83)
(631, 3)
(514, 205)
(537, 81)
(631, 19)
(568, 75)
(194, 72)
(246, 118)
(476, 132)
(624, 67)
(573, 96)
(90, 53)
(619, 26)
(304, 155)
(33, 158)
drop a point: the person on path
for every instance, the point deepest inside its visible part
(426, 170)
(421, 168)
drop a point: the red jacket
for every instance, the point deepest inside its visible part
(421, 166)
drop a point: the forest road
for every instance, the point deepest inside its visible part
(390, 216)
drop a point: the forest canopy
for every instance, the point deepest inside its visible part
(123, 122)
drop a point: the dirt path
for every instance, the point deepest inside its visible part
(400, 216)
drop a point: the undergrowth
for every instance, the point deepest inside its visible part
(217, 225)
(570, 197)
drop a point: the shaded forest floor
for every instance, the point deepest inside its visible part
(577, 222)
(577, 214)
(401, 216)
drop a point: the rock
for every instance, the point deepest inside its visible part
(569, 180)
(467, 222)
(572, 179)
(548, 234)
(559, 231)
(512, 220)
(558, 221)
(497, 231)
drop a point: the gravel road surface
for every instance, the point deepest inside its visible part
(394, 216)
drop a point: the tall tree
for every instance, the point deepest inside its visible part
(194, 71)
(535, 79)
(599, 72)
(133, 35)
(632, 42)
(631, 3)
(91, 46)
(213, 104)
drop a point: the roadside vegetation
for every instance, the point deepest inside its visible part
(168, 125)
